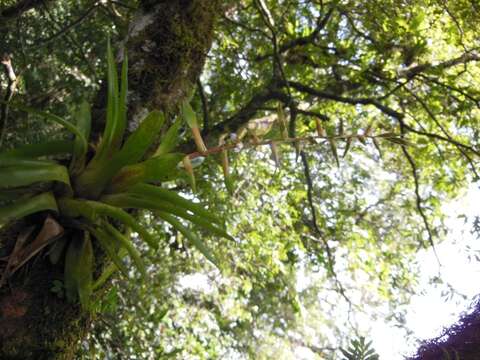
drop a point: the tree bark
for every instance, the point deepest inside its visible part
(167, 44)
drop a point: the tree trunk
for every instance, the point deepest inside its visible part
(167, 44)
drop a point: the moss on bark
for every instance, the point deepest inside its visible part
(36, 323)
(167, 44)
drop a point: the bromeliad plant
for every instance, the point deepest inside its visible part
(87, 200)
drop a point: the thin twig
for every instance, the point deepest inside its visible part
(383, 108)
(119, 3)
(418, 197)
(304, 40)
(438, 137)
(74, 43)
(244, 26)
(445, 132)
(277, 61)
(279, 72)
(320, 234)
(459, 90)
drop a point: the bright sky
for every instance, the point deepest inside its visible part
(428, 312)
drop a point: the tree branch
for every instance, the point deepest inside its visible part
(385, 109)
(249, 110)
(415, 70)
(438, 137)
(347, 100)
(301, 41)
(445, 132)
(319, 233)
(313, 114)
(418, 198)
(315, 349)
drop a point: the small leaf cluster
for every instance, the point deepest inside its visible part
(360, 349)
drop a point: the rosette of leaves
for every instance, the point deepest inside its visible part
(89, 198)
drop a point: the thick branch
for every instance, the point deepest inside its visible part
(415, 70)
(167, 63)
(249, 111)
(347, 100)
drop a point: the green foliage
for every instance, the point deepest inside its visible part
(16, 172)
(359, 349)
(83, 121)
(78, 270)
(83, 207)
(27, 206)
(362, 59)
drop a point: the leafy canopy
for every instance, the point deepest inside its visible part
(317, 83)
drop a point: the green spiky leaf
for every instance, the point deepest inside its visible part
(126, 243)
(24, 207)
(189, 115)
(93, 209)
(78, 270)
(112, 127)
(156, 169)
(157, 193)
(54, 118)
(140, 141)
(108, 271)
(199, 245)
(149, 202)
(83, 120)
(105, 241)
(170, 140)
(55, 147)
(21, 172)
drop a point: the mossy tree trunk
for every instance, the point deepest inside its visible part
(167, 44)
